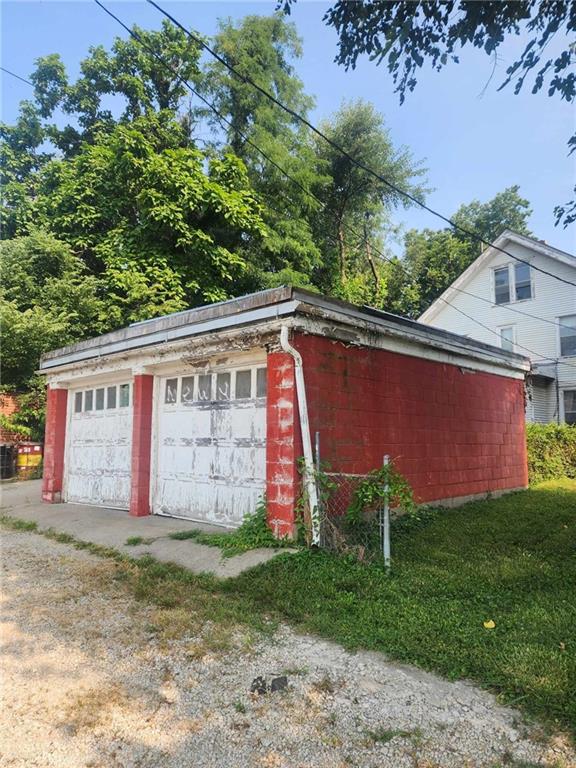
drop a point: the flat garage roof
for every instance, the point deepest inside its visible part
(275, 303)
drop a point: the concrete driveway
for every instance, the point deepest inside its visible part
(113, 527)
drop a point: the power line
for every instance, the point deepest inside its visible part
(542, 360)
(17, 76)
(344, 153)
(295, 181)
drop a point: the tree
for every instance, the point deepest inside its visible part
(264, 49)
(357, 205)
(165, 226)
(47, 300)
(406, 35)
(506, 210)
(128, 72)
(433, 259)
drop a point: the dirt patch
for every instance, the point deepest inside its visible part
(93, 677)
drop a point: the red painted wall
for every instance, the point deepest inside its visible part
(450, 432)
(54, 443)
(143, 389)
(283, 444)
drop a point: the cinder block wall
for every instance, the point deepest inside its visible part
(453, 433)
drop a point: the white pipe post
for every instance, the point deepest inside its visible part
(305, 430)
(386, 520)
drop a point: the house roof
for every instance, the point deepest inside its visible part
(276, 305)
(487, 254)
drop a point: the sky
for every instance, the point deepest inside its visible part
(474, 141)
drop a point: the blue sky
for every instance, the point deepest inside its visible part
(473, 144)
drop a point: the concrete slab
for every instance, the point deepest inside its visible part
(112, 527)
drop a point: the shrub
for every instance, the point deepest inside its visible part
(551, 451)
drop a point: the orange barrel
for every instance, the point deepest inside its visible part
(28, 459)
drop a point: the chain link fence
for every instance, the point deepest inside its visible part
(368, 536)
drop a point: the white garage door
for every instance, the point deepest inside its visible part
(98, 451)
(211, 445)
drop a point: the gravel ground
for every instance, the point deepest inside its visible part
(85, 682)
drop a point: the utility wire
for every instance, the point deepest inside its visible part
(17, 76)
(308, 192)
(276, 165)
(287, 175)
(543, 360)
(344, 153)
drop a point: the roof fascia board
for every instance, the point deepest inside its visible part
(162, 337)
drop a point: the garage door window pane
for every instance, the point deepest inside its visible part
(261, 382)
(187, 393)
(124, 395)
(171, 391)
(78, 402)
(100, 399)
(88, 400)
(111, 401)
(243, 385)
(223, 386)
(205, 387)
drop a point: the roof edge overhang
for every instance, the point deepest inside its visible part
(276, 304)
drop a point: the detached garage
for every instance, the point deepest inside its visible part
(200, 414)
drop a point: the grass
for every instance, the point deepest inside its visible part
(385, 735)
(135, 541)
(511, 561)
(254, 533)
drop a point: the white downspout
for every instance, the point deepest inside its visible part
(305, 430)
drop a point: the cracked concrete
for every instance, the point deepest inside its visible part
(112, 528)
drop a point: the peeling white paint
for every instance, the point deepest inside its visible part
(98, 456)
(210, 457)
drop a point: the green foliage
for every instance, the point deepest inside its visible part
(433, 259)
(163, 231)
(253, 533)
(357, 205)
(551, 451)
(46, 301)
(510, 559)
(405, 36)
(29, 418)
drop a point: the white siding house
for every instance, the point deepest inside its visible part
(507, 301)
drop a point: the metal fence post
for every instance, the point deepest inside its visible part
(386, 520)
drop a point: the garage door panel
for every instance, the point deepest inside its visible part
(211, 455)
(98, 460)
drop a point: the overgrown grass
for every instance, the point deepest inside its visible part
(510, 560)
(254, 533)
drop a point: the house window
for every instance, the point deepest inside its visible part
(570, 406)
(567, 335)
(502, 286)
(507, 338)
(522, 282)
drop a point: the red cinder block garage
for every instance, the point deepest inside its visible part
(202, 413)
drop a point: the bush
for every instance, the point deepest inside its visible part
(551, 451)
